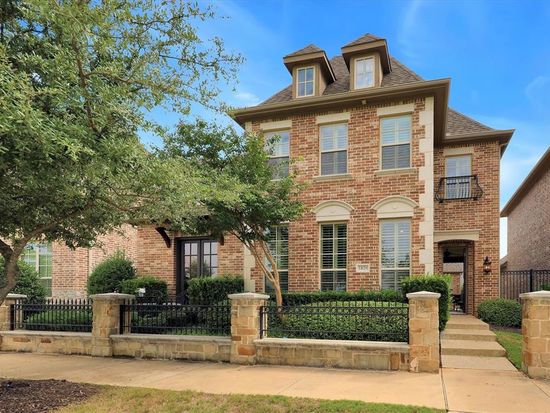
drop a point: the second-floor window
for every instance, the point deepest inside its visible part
(305, 84)
(334, 149)
(278, 148)
(364, 73)
(458, 170)
(396, 142)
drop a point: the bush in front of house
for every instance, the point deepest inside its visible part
(545, 287)
(500, 312)
(210, 290)
(60, 320)
(110, 273)
(27, 282)
(155, 290)
(436, 283)
(299, 298)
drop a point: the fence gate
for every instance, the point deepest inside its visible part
(514, 283)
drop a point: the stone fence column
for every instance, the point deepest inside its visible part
(5, 313)
(106, 321)
(535, 328)
(424, 331)
(245, 326)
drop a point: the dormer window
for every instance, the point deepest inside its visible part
(305, 84)
(364, 72)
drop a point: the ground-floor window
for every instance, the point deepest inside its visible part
(199, 258)
(395, 244)
(39, 256)
(334, 256)
(278, 245)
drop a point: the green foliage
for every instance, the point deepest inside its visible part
(435, 283)
(500, 312)
(59, 320)
(545, 287)
(210, 290)
(513, 343)
(298, 298)
(27, 282)
(155, 290)
(108, 276)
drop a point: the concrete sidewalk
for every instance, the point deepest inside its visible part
(455, 389)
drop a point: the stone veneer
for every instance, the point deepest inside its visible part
(535, 327)
(424, 331)
(46, 342)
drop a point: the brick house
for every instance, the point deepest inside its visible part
(528, 213)
(398, 184)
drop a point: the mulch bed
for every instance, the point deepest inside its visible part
(39, 396)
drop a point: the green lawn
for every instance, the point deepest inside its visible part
(134, 400)
(512, 343)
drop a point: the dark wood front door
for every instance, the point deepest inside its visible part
(197, 257)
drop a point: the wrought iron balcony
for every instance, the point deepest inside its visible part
(458, 187)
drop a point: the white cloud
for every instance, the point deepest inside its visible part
(246, 98)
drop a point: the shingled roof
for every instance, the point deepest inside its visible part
(306, 50)
(366, 38)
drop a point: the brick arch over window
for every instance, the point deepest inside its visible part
(395, 206)
(332, 211)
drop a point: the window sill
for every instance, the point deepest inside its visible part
(335, 177)
(400, 171)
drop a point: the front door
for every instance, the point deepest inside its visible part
(197, 257)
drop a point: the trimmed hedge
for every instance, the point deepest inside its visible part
(545, 287)
(299, 298)
(500, 312)
(155, 290)
(59, 320)
(435, 283)
(210, 290)
(109, 274)
(27, 282)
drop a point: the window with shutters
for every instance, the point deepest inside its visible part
(395, 246)
(334, 149)
(334, 257)
(396, 142)
(364, 72)
(305, 85)
(278, 245)
(278, 148)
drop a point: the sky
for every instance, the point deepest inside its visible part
(496, 52)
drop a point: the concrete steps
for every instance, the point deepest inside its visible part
(467, 334)
(466, 322)
(471, 348)
(477, 363)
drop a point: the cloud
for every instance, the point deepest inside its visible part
(246, 98)
(538, 93)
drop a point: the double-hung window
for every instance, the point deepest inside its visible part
(334, 149)
(396, 142)
(334, 257)
(395, 244)
(305, 84)
(39, 257)
(278, 246)
(278, 148)
(458, 170)
(364, 73)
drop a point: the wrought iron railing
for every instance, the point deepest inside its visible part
(175, 318)
(458, 187)
(53, 315)
(335, 320)
(514, 283)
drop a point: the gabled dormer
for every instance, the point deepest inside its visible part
(367, 59)
(311, 71)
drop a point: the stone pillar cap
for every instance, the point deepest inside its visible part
(16, 296)
(535, 295)
(423, 295)
(248, 296)
(112, 296)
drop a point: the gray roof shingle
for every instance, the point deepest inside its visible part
(305, 50)
(366, 38)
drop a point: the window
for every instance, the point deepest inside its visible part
(364, 73)
(334, 149)
(200, 258)
(278, 148)
(334, 250)
(458, 170)
(278, 245)
(306, 84)
(39, 256)
(396, 142)
(395, 245)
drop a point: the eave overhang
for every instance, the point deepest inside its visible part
(377, 46)
(503, 137)
(311, 58)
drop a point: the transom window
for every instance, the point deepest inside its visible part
(395, 244)
(306, 82)
(364, 73)
(278, 148)
(39, 256)
(458, 171)
(334, 149)
(396, 142)
(334, 257)
(278, 245)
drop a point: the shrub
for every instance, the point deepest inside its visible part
(59, 320)
(109, 274)
(27, 282)
(298, 298)
(155, 290)
(435, 283)
(545, 287)
(210, 290)
(500, 312)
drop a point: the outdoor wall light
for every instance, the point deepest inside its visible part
(486, 265)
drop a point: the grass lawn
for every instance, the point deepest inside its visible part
(512, 343)
(134, 400)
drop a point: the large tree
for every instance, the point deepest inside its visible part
(77, 79)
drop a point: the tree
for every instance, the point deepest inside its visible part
(264, 202)
(77, 79)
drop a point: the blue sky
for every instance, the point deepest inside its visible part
(496, 52)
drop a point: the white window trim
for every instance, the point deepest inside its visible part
(355, 72)
(307, 81)
(321, 269)
(395, 144)
(321, 151)
(409, 220)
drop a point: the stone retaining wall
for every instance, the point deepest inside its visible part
(46, 342)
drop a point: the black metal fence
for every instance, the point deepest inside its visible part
(335, 320)
(52, 315)
(175, 318)
(514, 283)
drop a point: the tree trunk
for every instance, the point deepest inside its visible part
(271, 274)
(10, 271)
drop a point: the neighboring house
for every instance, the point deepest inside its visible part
(528, 213)
(398, 183)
